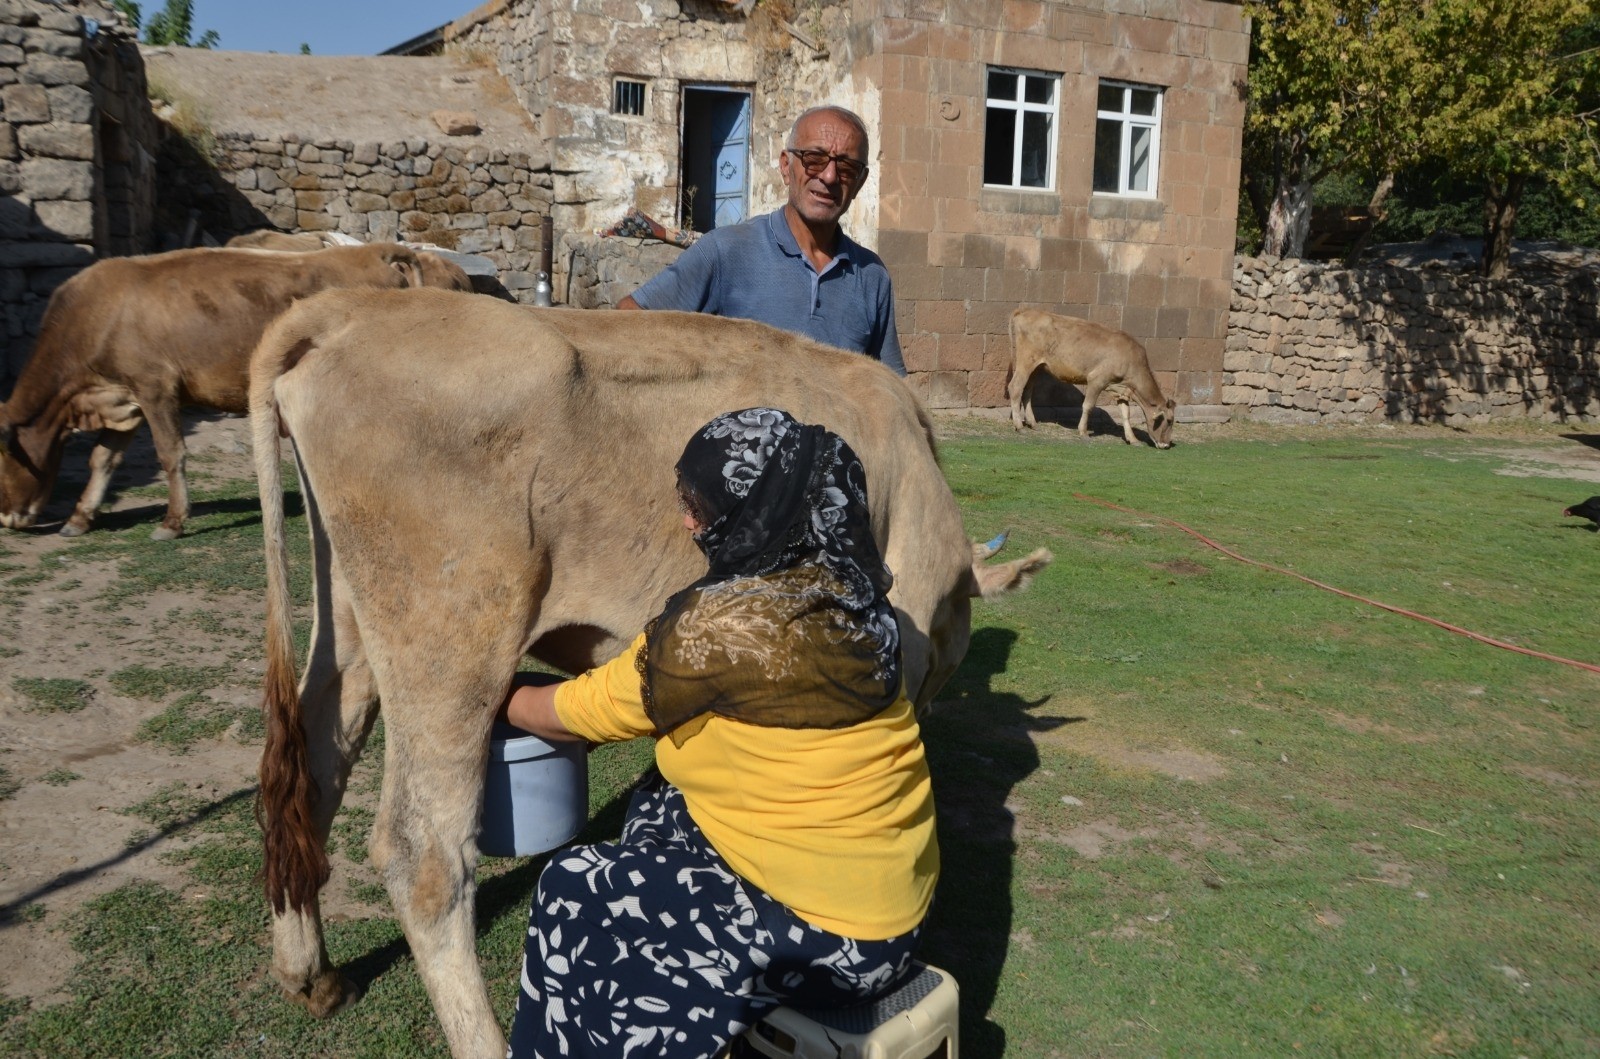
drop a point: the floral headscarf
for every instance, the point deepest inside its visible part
(791, 626)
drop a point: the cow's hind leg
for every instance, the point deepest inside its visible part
(338, 701)
(1019, 390)
(103, 462)
(425, 840)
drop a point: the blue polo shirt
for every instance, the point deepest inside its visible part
(756, 271)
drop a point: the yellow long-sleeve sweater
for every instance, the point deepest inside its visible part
(835, 823)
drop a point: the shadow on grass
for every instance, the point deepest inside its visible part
(1591, 440)
(247, 508)
(979, 747)
(9, 910)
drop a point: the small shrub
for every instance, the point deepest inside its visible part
(55, 694)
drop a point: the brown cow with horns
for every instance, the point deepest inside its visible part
(131, 339)
(515, 496)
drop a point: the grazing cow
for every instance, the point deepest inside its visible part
(294, 242)
(130, 339)
(485, 480)
(1088, 355)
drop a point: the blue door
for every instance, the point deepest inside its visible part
(733, 158)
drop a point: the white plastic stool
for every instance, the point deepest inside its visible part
(920, 1020)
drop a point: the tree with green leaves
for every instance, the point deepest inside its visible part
(1332, 85)
(1504, 90)
(173, 24)
(1515, 100)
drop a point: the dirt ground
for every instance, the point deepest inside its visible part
(66, 835)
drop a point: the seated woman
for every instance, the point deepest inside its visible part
(785, 852)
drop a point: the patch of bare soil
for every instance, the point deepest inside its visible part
(66, 834)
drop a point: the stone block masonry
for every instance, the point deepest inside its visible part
(1311, 343)
(76, 146)
(477, 200)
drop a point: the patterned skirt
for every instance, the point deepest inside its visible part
(651, 946)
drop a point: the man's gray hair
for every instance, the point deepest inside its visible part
(846, 115)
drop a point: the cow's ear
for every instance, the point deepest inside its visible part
(409, 268)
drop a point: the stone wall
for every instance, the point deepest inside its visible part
(77, 176)
(476, 200)
(1310, 342)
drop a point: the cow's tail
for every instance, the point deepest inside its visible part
(1011, 361)
(294, 863)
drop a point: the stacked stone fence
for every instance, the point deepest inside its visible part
(476, 200)
(1310, 342)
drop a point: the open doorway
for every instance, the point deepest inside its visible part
(716, 156)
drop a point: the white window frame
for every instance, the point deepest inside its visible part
(1128, 121)
(1021, 106)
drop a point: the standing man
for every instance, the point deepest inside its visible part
(794, 268)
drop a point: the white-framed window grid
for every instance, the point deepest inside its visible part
(627, 97)
(1021, 118)
(1127, 139)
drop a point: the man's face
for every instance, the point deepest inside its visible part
(822, 197)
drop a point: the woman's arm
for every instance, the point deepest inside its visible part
(531, 706)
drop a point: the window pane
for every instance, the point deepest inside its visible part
(999, 143)
(1002, 85)
(1035, 150)
(1107, 155)
(1038, 89)
(1144, 101)
(1111, 97)
(1139, 158)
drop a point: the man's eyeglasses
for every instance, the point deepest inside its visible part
(814, 162)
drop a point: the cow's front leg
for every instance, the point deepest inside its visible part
(167, 430)
(1127, 423)
(103, 462)
(1091, 394)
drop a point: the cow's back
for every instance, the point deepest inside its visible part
(547, 439)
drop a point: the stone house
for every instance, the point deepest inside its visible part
(77, 155)
(1077, 155)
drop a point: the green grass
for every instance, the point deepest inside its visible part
(1188, 807)
(55, 694)
(188, 720)
(59, 777)
(147, 682)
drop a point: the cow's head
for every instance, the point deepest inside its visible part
(29, 460)
(1161, 425)
(403, 260)
(442, 273)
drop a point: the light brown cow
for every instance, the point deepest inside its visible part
(486, 480)
(1089, 355)
(293, 242)
(131, 339)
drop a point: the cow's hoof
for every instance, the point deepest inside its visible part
(165, 533)
(72, 529)
(330, 994)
